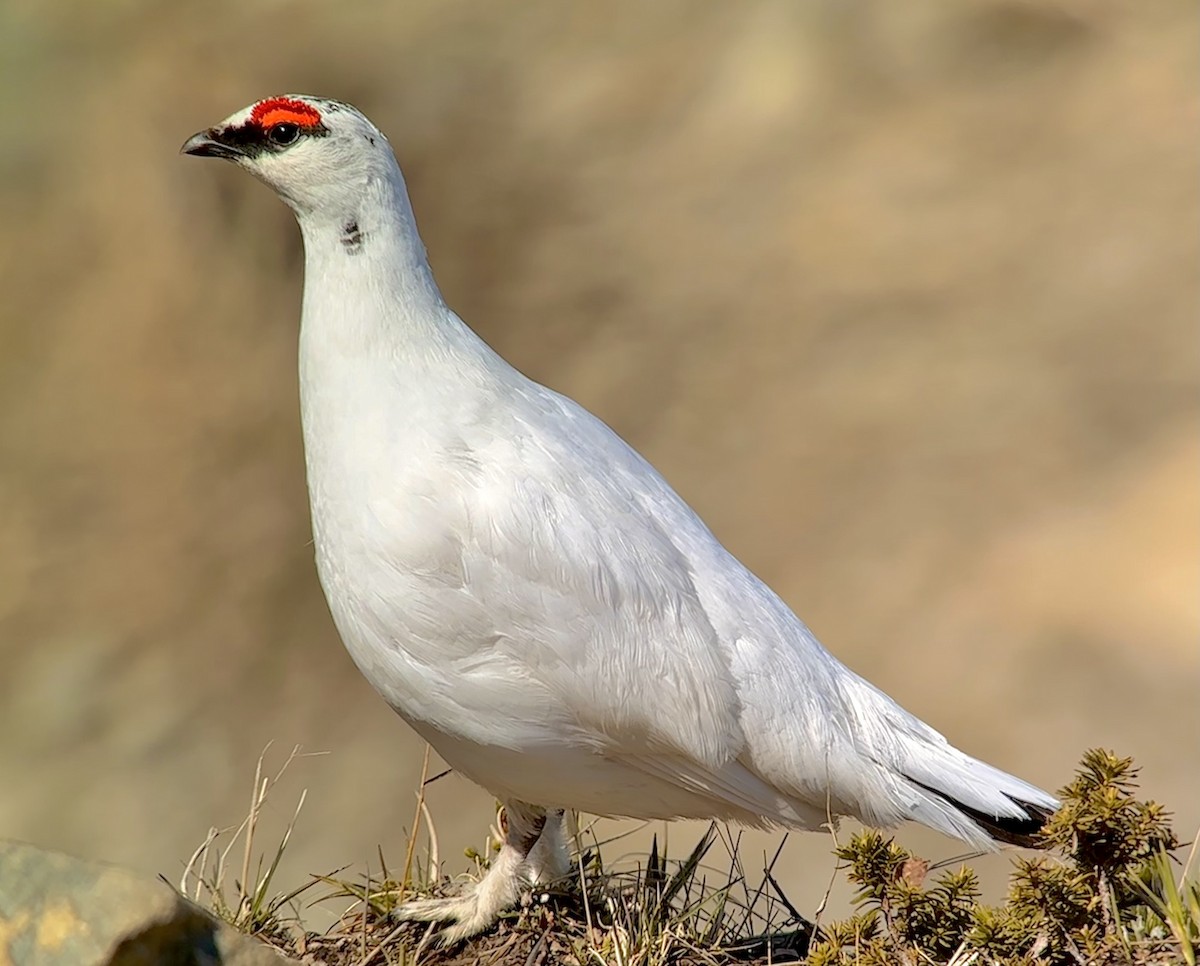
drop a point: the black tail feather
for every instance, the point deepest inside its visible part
(1023, 831)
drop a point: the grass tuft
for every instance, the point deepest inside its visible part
(247, 903)
(1106, 893)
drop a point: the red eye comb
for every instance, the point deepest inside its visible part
(279, 110)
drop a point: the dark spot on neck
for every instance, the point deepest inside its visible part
(352, 237)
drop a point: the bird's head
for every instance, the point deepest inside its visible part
(316, 153)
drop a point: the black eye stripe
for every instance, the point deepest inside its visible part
(253, 139)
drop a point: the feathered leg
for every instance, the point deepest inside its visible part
(523, 859)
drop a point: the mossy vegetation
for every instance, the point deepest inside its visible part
(1108, 891)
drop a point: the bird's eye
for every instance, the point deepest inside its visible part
(283, 133)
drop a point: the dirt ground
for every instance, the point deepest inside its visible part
(901, 297)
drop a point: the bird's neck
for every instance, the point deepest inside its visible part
(380, 352)
(368, 289)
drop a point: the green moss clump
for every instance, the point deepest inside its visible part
(1106, 895)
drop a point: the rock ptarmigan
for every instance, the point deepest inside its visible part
(528, 593)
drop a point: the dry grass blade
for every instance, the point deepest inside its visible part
(249, 906)
(412, 839)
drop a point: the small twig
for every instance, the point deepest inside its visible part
(1187, 866)
(1106, 908)
(532, 958)
(499, 954)
(256, 800)
(583, 889)
(198, 861)
(960, 859)
(435, 872)
(599, 843)
(831, 824)
(370, 957)
(768, 868)
(366, 903)
(787, 903)
(412, 839)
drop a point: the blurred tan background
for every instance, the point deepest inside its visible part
(901, 297)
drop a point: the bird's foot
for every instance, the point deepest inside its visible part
(479, 906)
(463, 915)
(534, 853)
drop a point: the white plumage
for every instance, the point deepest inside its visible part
(528, 593)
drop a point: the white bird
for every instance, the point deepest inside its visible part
(528, 593)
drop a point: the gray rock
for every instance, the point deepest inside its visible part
(57, 910)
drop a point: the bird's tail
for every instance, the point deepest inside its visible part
(923, 778)
(1010, 812)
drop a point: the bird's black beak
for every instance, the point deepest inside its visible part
(211, 144)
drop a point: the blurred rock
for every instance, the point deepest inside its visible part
(56, 910)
